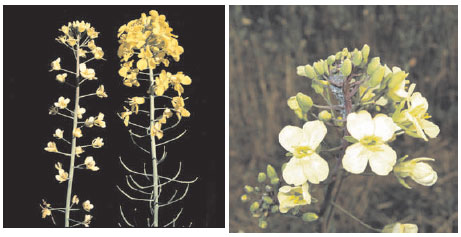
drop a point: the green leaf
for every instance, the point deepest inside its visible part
(350, 139)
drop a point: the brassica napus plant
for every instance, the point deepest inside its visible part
(79, 37)
(148, 44)
(369, 105)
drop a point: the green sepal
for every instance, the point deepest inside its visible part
(350, 139)
(288, 154)
(403, 183)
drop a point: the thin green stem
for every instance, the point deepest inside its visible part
(155, 191)
(354, 217)
(74, 142)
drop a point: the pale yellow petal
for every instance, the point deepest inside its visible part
(315, 168)
(306, 195)
(356, 158)
(314, 132)
(291, 136)
(360, 124)
(382, 159)
(294, 172)
(430, 128)
(384, 127)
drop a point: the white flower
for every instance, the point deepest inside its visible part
(87, 73)
(62, 103)
(75, 199)
(80, 112)
(77, 132)
(100, 92)
(87, 206)
(58, 133)
(400, 228)
(417, 115)
(61, 77)
(99, 121)
(305, 164)
(89, 122)
(51, 147)
(87, 220)
(97, 143)
(372, 135)
(290, 197)
(91, 164)
(420, 172)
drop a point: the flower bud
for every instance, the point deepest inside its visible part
(338, 55)
(331, 59)
(310, 73)
(346, 68)
(304, 101)
(310, 216)
(324, 115)
(373, 65)
(271, 172)
(262, 224)
(356, 58)
(325, 68)
(254, 206)
(319, 67)
(267, 200)
(420, 172)
(244, 198)
(248, 189)
(274, 209)
(261, 177)
(400, 228)
(300, 70)
(377, 76)
(365, 52)
(275, 181)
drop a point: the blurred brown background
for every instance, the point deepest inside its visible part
(267, 43)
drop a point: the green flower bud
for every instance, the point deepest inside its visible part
(318, 66)
(301, 71)
(325, 68)
(261, 177)
(274, 209)
(254, 206)
(331, 59)
(244, 198)
(373, 65)
(345, 52)
(356, 58)
(397, 78)
(248, 189)
(271, 173)
(267, 200)
(324, 115)
(365, 52)
(346, 68)
(304, 102)
(377, 76)
(310, 73)
(257, 189)
(262, 224)
(268, 188)
(310, 216)
(275, 181)
(338, 56)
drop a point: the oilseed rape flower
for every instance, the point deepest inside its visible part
(372, 135)
(98, 53)
(61, 77)
(62, 103)
(97, 142)
(290, 197)
(162, 83)
(80, 112)
(400, 228)
(91, 164)
(79, 150)
(45, 209)
(75, 199)
(100, 92)
(87, 73)
(99, 121)
(126, 116)
(51, 147)
(87, 220)
(62, 175)
(178, 105)
(156, 130)
(87, 206)
(77, 132)
(135, 102)
(58, 133)
(417, 170)
(178, 80)
(306, 164)
(55, 65)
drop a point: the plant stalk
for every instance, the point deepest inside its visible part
(155, 191)
(74, 139)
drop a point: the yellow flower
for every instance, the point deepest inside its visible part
(414, 119)
(97, 142)
(162, 83)
(87, 73)
(89, 122)
(62, 175)
(91, 45)
(99, 121)
(100, 92)
(178, 105)
(178, 80)
(166, 114)
(55, 65)
(77, 132)
(91, 32)
(58, 133)
(420, 172)
(61, 77)
(91, 164)
(79, 150)
(290, 197)
(64, 29)
(396, 90)
(51, 147)
(87, 206)
(71, 41)
(80, 112)
(75, 199)
(87, 220)
(306, 164)
(62, 103)
(372, 135)
(82, 53)
(46, 211)
(157, 130)
(135, 102)
(98, 53)
(400, 228)
(126, 116)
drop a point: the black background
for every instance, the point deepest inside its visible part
(30, 89)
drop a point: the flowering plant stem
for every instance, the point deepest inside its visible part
(74, 139)
(354, 217)
(155, 193)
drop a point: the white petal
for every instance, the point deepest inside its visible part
(416, 124)
(430, 128)
(382, 160)
(360, 124)
(306, 194)
(291, 136)
(356, 158)
(314, 132)
(428, 180)
(417, 100)
(294, 173)
(384, 127)
(315, 168)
